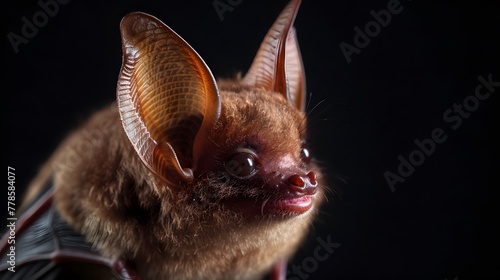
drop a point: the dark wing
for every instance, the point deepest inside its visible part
(46, 247)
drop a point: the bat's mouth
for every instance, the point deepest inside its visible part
(276, 197)
(283, 206)
(297, 205)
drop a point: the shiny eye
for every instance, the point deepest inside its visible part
(241, 165)
(305, 154)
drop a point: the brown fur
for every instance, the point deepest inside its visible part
(105, 192)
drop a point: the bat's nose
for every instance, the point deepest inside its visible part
(304, 185)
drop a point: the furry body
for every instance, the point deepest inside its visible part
(104, 191)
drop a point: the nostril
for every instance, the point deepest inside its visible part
(312, 178)
(296, 180)
(303, 185)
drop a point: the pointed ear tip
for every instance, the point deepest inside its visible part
(137, 22)
(299, 2)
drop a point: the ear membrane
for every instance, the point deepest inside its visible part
(278, 64)
(167, 98)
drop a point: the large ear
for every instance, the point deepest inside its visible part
(278, 65)
(167, 98)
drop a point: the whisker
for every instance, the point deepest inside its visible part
(314, 119)
(316, 106)
(263, 205)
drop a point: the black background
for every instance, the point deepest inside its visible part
(440, 223)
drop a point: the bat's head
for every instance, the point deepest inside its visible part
(257, 160)
(238, 145)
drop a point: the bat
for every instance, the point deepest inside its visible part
(183, 177)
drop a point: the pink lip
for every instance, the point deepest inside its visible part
(291, 206)
(298, 205)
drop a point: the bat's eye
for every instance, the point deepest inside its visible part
(241, 165)
(305, 154)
